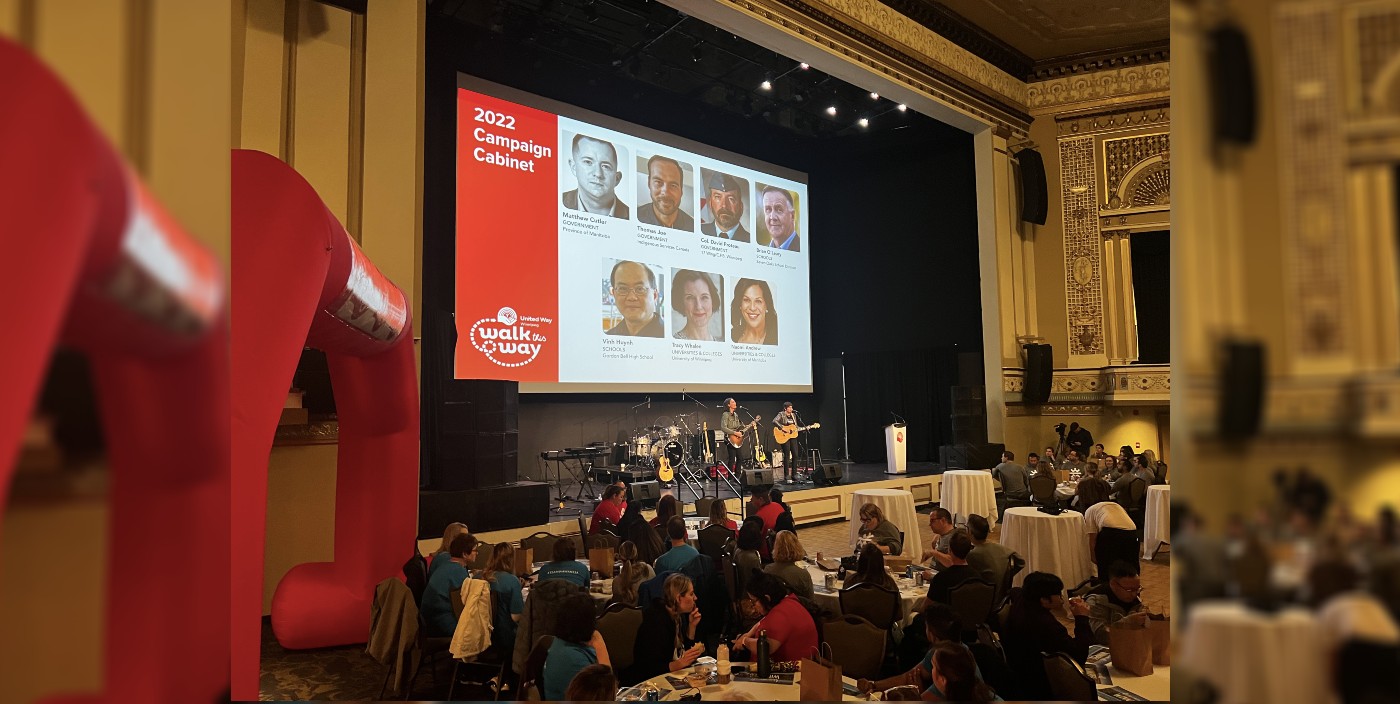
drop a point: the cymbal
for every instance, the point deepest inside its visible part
(654, 427)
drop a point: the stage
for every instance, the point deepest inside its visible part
(810, 504)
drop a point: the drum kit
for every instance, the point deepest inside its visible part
(678, 447)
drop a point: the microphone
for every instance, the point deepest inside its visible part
(721, 406)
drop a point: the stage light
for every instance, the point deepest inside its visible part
(695, 53)
(766, 85)
(831, 110)
(864, 122)
(902, 107)
(804, 66)
(874, 95)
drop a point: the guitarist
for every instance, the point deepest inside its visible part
(787, 419)
(733, 431)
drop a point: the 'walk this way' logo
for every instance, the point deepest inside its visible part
(508, 339)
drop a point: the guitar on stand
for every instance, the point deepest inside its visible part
(664, 472)
(759, 456)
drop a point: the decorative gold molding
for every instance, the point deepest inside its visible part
(1126, 82)
(1113, 119)
(1080, 212)
(326, 432)
(1138, 385)
(1137, 172)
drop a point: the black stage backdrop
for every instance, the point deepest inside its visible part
(915, 384)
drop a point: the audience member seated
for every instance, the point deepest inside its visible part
(437, 597)
(444, 553)
(631, 575)
(565, 565)
(1034, 466)
(1117, 600)
(1098, 455)
(595, 683)
(1049, 462)
(988, 559)
(666, 509)
(609, 509)
(1112, 536)
(577, 644)
(649, 545)
(719, 516)
(1360, 640)
(955, 572)
(941, 627)
(681, 553)
(870, 569)
(1072, 462)
(509, 598)
(1091, 489)
(955, 676)
(877, 529)
(941, 523)
(1158, 467)
(668, 627)
(769, 512)
(784, 521)
(791, 631)
(1015, 483)
(787, 553)
(631, 515)
(1031, 628)
(749, 556)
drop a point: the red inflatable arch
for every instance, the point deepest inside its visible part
(300, 280)
(93, 263)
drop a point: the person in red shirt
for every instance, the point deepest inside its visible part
(768, 512)
(791, 632)
(610, 508)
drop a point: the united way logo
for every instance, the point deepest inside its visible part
(509, 339)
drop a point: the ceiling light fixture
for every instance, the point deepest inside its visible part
(804, 66)
(831, 110)
(874, 95)
(864, 122)
(766, 85)
(902, 107)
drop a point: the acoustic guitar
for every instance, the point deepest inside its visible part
(788, 432)
(663, 469)
(736, 438)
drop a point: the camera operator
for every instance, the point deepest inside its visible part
(1078, 439)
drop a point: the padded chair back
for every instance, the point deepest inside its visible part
(714, 541)
(601, 540)
(653, 588)
(543, 545)
(1043, 489)
(1067, 681)
(619, 625)
(880, 606)
(703, 504)
(415, 575)
(582, 525)
(856, 645)
(483, 556)
(1014, 564)
(1137, 493)
(972, 601)
(534, 666)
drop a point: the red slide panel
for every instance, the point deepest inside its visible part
(92, 261)
(299, 279)
(507, 160)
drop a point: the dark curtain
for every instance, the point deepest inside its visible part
(916, 384)
(1152, 295)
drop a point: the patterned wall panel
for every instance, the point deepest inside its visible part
(1083, 284)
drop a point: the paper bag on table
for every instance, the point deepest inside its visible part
(898, 563)
(524, 562)
(601, 560)
(1130, 647)
(1160, 626)
(821, 678)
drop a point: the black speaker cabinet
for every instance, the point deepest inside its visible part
(1040, 366)
(1242, 389)
(970, 430)
(827, 474)
(758, 477)
(646, 492)
(1035, 200)
(1232, 91)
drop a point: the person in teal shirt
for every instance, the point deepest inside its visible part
(565, 565)
(577, 644)
(509, 602)
(437, 597)
(681, 553)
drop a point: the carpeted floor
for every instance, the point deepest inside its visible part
(348, 673)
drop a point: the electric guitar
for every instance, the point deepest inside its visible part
(736, 438)
(705, 434)
(788, 432)
(663, 469)
(758, 454)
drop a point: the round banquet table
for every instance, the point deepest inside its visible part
(898, 506)
(1055, 544)
(827, 599)
(1254, 657)
(757, 691)
(968, 491)
(1064, 491)
(1156, 524)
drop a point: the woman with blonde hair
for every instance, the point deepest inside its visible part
(509, 598)
(719, 516)
(787, 552)
(1159, 468)
(628, 579)
(443, 553)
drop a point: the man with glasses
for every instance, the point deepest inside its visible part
(634, 290)
(1118, 599)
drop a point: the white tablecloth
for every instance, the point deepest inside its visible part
(1156, 524)
(757, 691)
(909, 594)
(1055, 544)
(1252, 657)
(968, 491)
(898, 506)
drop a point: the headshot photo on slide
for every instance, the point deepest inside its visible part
(724, 207)
(666, 187)
(632, 299)
(752, 313)
(594, 168)
(778, 218)
(697, 305)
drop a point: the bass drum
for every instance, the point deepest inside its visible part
(672, 450)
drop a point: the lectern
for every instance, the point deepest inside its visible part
(895, 440)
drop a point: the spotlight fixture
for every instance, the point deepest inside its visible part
(864, 122)
(831, 110)
(804, 66)
(902, 107)
(766, 85)
(874, 95)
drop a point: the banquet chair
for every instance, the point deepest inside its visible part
(714, 541)
(601, 540)
(490, 664)
(430, 648)
(542, 543)
(1043, 490)
(1014, 564)
(619, 625)
(702, 505)
(415, 575)
(583, 527)
(857, 645)
(1137, 504)
(972, 601)
(530, 687)
(1067, 681)
(881, 606)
